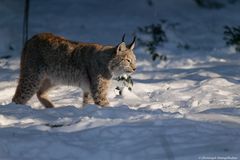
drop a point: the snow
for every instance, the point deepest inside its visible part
(186, 108)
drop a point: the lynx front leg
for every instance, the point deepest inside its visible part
(99, 91)
(87, 98)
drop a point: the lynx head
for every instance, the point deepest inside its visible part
(124, 60)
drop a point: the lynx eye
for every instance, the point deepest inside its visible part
(129, 60)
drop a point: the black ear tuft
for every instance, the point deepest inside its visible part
(123, 37)
(132, 45)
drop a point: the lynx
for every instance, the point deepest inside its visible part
(48, 60)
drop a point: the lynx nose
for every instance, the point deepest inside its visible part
(134, 69)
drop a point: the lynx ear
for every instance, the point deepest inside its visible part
(121, 47)
(132, 45)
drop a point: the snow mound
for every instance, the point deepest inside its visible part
(110, 133)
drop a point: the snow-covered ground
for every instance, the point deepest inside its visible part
(186, 108)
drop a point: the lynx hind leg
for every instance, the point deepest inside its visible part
(42, 93)
(87, 98)
(27, 87)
